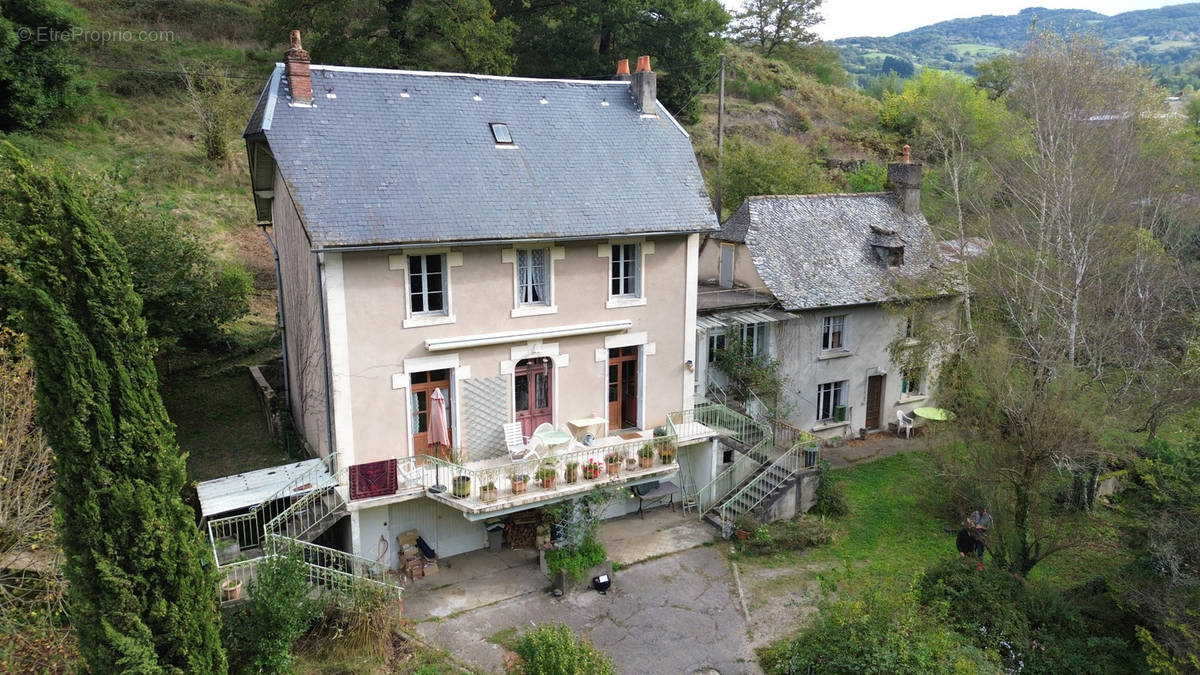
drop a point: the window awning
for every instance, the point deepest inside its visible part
(727, 319)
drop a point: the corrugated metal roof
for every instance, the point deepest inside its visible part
(726, 319)
(241, 491)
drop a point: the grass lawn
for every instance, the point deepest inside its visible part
(219, 423)
(891, 535)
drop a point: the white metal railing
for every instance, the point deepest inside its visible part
(769, 477)
(229, 536)
(747, 431)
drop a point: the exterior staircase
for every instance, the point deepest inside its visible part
(770, 454)
(287, 523)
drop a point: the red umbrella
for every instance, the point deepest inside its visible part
(439, 432)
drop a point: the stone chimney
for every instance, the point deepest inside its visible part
(904, 180)
(643, 87)
(295, 66)
(623, 70)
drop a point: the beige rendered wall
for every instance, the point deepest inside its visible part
(299, 288)
(744, 272)
(381, 353)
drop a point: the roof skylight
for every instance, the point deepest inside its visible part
(500, 133)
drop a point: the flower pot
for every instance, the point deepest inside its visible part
(614, 468)
(489, 494)
(231, 589)
(572, 474)
(462, 487)
(743, 535)
(666, 454)
(518, 486)
(591, 473)
(548, 483)
(646, 462)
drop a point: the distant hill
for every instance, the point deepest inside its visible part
(1167, 40)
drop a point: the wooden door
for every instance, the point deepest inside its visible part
(532, 393)
(421, 386)
(874, 400)
(623, 388)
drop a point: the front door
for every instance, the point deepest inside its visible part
(874, 400)
(623, 388)
(531, 394)
(421, 391)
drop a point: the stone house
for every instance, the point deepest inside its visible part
(811, 281)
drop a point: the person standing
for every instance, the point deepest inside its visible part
(978, 524)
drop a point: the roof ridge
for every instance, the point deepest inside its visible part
(438, 73)
(819, 195)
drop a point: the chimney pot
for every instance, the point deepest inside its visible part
(643, 64)
(623, 68)
(296, 67)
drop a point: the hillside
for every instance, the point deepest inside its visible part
(1164, 39)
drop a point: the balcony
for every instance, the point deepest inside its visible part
(496, 485)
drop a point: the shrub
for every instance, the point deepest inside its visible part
(874, 635)
(869, 177)
(279, 610)
(552, 649)
(37, 77)
(574, 560)
(988, 605)
(358, 624)
(831, 494)
(798, 533)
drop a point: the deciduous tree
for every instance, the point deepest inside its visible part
(768, 25)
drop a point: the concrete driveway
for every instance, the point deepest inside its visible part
(678, 613)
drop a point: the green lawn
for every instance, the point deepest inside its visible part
(219, 423)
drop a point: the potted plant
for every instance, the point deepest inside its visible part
(461, 484)
(646, 455)
(613, 462)
(518, 482)
(666, 451)
(489, 492)
(572, 472)
(546, 476)
(231, 589)
(591, 469)
(744, 525)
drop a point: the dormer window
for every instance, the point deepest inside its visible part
(500, 133)
(892, 256)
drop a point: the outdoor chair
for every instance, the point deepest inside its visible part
(906, 424)
(517, 447)
(410, 473)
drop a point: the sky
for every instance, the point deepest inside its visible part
(879, 18)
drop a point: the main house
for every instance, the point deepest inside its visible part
(848, 293)
(475, 251)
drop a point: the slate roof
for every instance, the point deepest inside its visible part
(372, 166)
(816, 250)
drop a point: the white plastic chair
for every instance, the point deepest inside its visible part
(410, 473)
(517, 448)
(906, 423)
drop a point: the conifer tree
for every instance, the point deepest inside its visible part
(139, 596)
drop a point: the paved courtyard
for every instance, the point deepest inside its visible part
(678, 613)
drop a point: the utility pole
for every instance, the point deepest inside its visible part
(720, 131)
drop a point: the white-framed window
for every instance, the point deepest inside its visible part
(533, 277)
(625, 271)
(716, 342)
(427, 287)
(833, 333)
(754, 335)
(831, 400)
(910, 383)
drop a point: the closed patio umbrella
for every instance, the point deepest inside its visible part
(439, 431)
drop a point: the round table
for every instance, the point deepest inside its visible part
(935, 414)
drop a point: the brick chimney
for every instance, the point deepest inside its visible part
(904, 180)
(643, 87)
(295, 65)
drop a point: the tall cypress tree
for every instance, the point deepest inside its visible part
(139, 597)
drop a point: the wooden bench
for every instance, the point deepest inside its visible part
(654, 491)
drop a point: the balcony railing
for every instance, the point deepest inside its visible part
(499, 483)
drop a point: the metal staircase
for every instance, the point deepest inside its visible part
(770, 453)
(287, 523)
